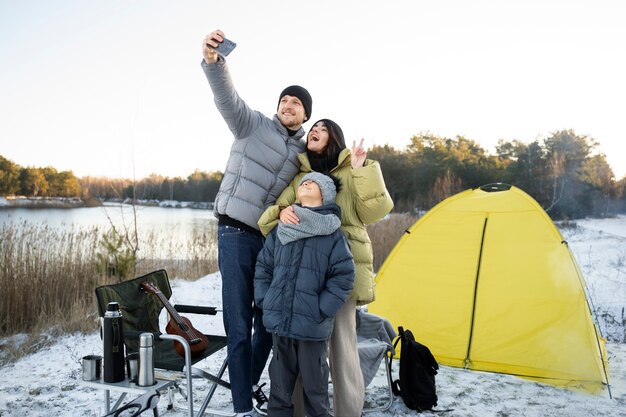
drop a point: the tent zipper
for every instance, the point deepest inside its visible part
(467, 362)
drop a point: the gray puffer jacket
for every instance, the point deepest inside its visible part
(301, 285)
(263, 158)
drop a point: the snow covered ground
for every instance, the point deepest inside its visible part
(47, 383)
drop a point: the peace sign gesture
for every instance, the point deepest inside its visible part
(358, 155)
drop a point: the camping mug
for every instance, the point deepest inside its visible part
(92, 364)
(132, 366)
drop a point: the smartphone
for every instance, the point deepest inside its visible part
(224, 48)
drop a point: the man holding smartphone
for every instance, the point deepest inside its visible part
(263, 160)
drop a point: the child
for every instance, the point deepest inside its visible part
(304, 274)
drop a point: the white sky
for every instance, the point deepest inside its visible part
(112, 87)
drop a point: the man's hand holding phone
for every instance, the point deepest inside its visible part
(216, 43)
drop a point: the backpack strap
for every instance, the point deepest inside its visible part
(395, 385)
(400, 336)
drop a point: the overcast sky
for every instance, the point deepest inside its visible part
(115, 88)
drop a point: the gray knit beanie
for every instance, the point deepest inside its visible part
(326, 184)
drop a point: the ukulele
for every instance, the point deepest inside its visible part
(179, 325)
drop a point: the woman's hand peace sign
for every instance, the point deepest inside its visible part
(358, 155)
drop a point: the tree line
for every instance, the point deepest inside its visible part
(48, 182)
(36, 182)
(199, 186)
(563, 172)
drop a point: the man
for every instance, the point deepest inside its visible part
(263, 160)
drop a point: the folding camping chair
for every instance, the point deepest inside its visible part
(374, 342)
(140, 313)
(145, 402)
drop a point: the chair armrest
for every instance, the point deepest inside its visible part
(183, 308)
(137, 333)
(185, 345)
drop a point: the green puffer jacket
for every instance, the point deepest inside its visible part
(363, 199)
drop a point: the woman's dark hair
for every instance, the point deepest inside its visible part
(336, 143)
(336, 181)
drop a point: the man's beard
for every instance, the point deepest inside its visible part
(290, 122)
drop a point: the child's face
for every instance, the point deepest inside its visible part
(309, 194)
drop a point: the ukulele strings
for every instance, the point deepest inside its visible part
(177, 318)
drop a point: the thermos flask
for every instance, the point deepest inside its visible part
(145, 376)
(113, 337)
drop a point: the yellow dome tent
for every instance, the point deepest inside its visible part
(487, 282)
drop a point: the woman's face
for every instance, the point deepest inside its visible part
(317, 139)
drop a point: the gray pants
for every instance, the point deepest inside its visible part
(345, 369)
(310, 359)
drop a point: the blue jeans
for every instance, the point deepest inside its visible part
(248, 350)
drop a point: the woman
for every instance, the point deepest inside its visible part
(363, 199)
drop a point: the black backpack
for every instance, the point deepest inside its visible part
(418, 368)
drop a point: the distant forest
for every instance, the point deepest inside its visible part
(564, 173)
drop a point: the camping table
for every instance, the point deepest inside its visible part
(125, 386)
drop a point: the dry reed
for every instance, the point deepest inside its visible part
(48, 277)
(386, 233)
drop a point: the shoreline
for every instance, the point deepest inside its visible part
(42, 202)
(75, 202)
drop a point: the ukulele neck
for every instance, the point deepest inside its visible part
(191, 336)
(170, 309)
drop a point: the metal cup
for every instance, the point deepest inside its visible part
(92, 366)
(132, 366)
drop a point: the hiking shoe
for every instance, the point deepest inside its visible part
(260, 398)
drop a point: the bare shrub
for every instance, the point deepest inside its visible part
(444, 187)
(613, 326)
(386, 233)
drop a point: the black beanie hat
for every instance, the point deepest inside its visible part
(302, 94)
